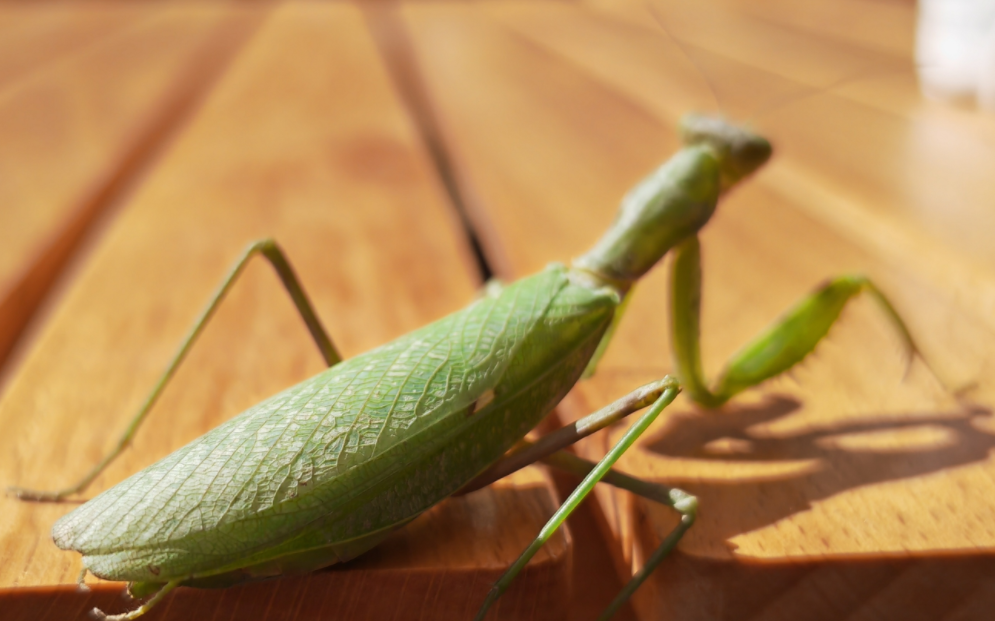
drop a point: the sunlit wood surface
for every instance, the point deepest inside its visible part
(143, 145)
(842, 490)
(332, 168)
(86, 93)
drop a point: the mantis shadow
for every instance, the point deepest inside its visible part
(747, 476)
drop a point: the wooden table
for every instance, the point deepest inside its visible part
(145, 145)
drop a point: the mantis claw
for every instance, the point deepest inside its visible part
(99, 615)
(80, 585)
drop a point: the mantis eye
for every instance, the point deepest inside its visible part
(750, 152)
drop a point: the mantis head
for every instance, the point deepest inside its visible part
(738, 150)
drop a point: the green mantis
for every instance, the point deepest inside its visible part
(325, 470)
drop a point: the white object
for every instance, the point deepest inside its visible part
(955, 49)
(986, 73)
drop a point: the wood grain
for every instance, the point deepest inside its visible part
(33, 35)
(304, 141)
(847, 114)
(846, 488)
(78, 127)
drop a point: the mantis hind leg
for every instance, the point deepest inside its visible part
(268, 249)
(548, 450)
(679, 500)
(160, 593)
(786, 343)
(591, 478)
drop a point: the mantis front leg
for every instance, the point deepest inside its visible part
(782, 346)
(268, 249)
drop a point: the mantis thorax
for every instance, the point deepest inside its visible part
(675, 201)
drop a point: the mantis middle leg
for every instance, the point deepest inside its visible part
(593, 473)
(268, 249)
(782, 346)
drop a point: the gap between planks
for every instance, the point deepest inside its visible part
(32, 296)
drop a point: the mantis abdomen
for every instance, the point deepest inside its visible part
(324, 470)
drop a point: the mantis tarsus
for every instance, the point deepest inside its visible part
(325, 470)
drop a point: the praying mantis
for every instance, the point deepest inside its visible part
(325, 470)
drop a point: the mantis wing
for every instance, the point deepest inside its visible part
(317, 455)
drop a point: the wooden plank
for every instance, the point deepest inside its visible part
(822, 103)
(884, 26)
(33, 35)
(75, 131)
(838, 493)
(304, 141)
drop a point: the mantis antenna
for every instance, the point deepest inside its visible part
(682, 46)
(805, 92)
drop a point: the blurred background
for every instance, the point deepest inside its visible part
(403, 152)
